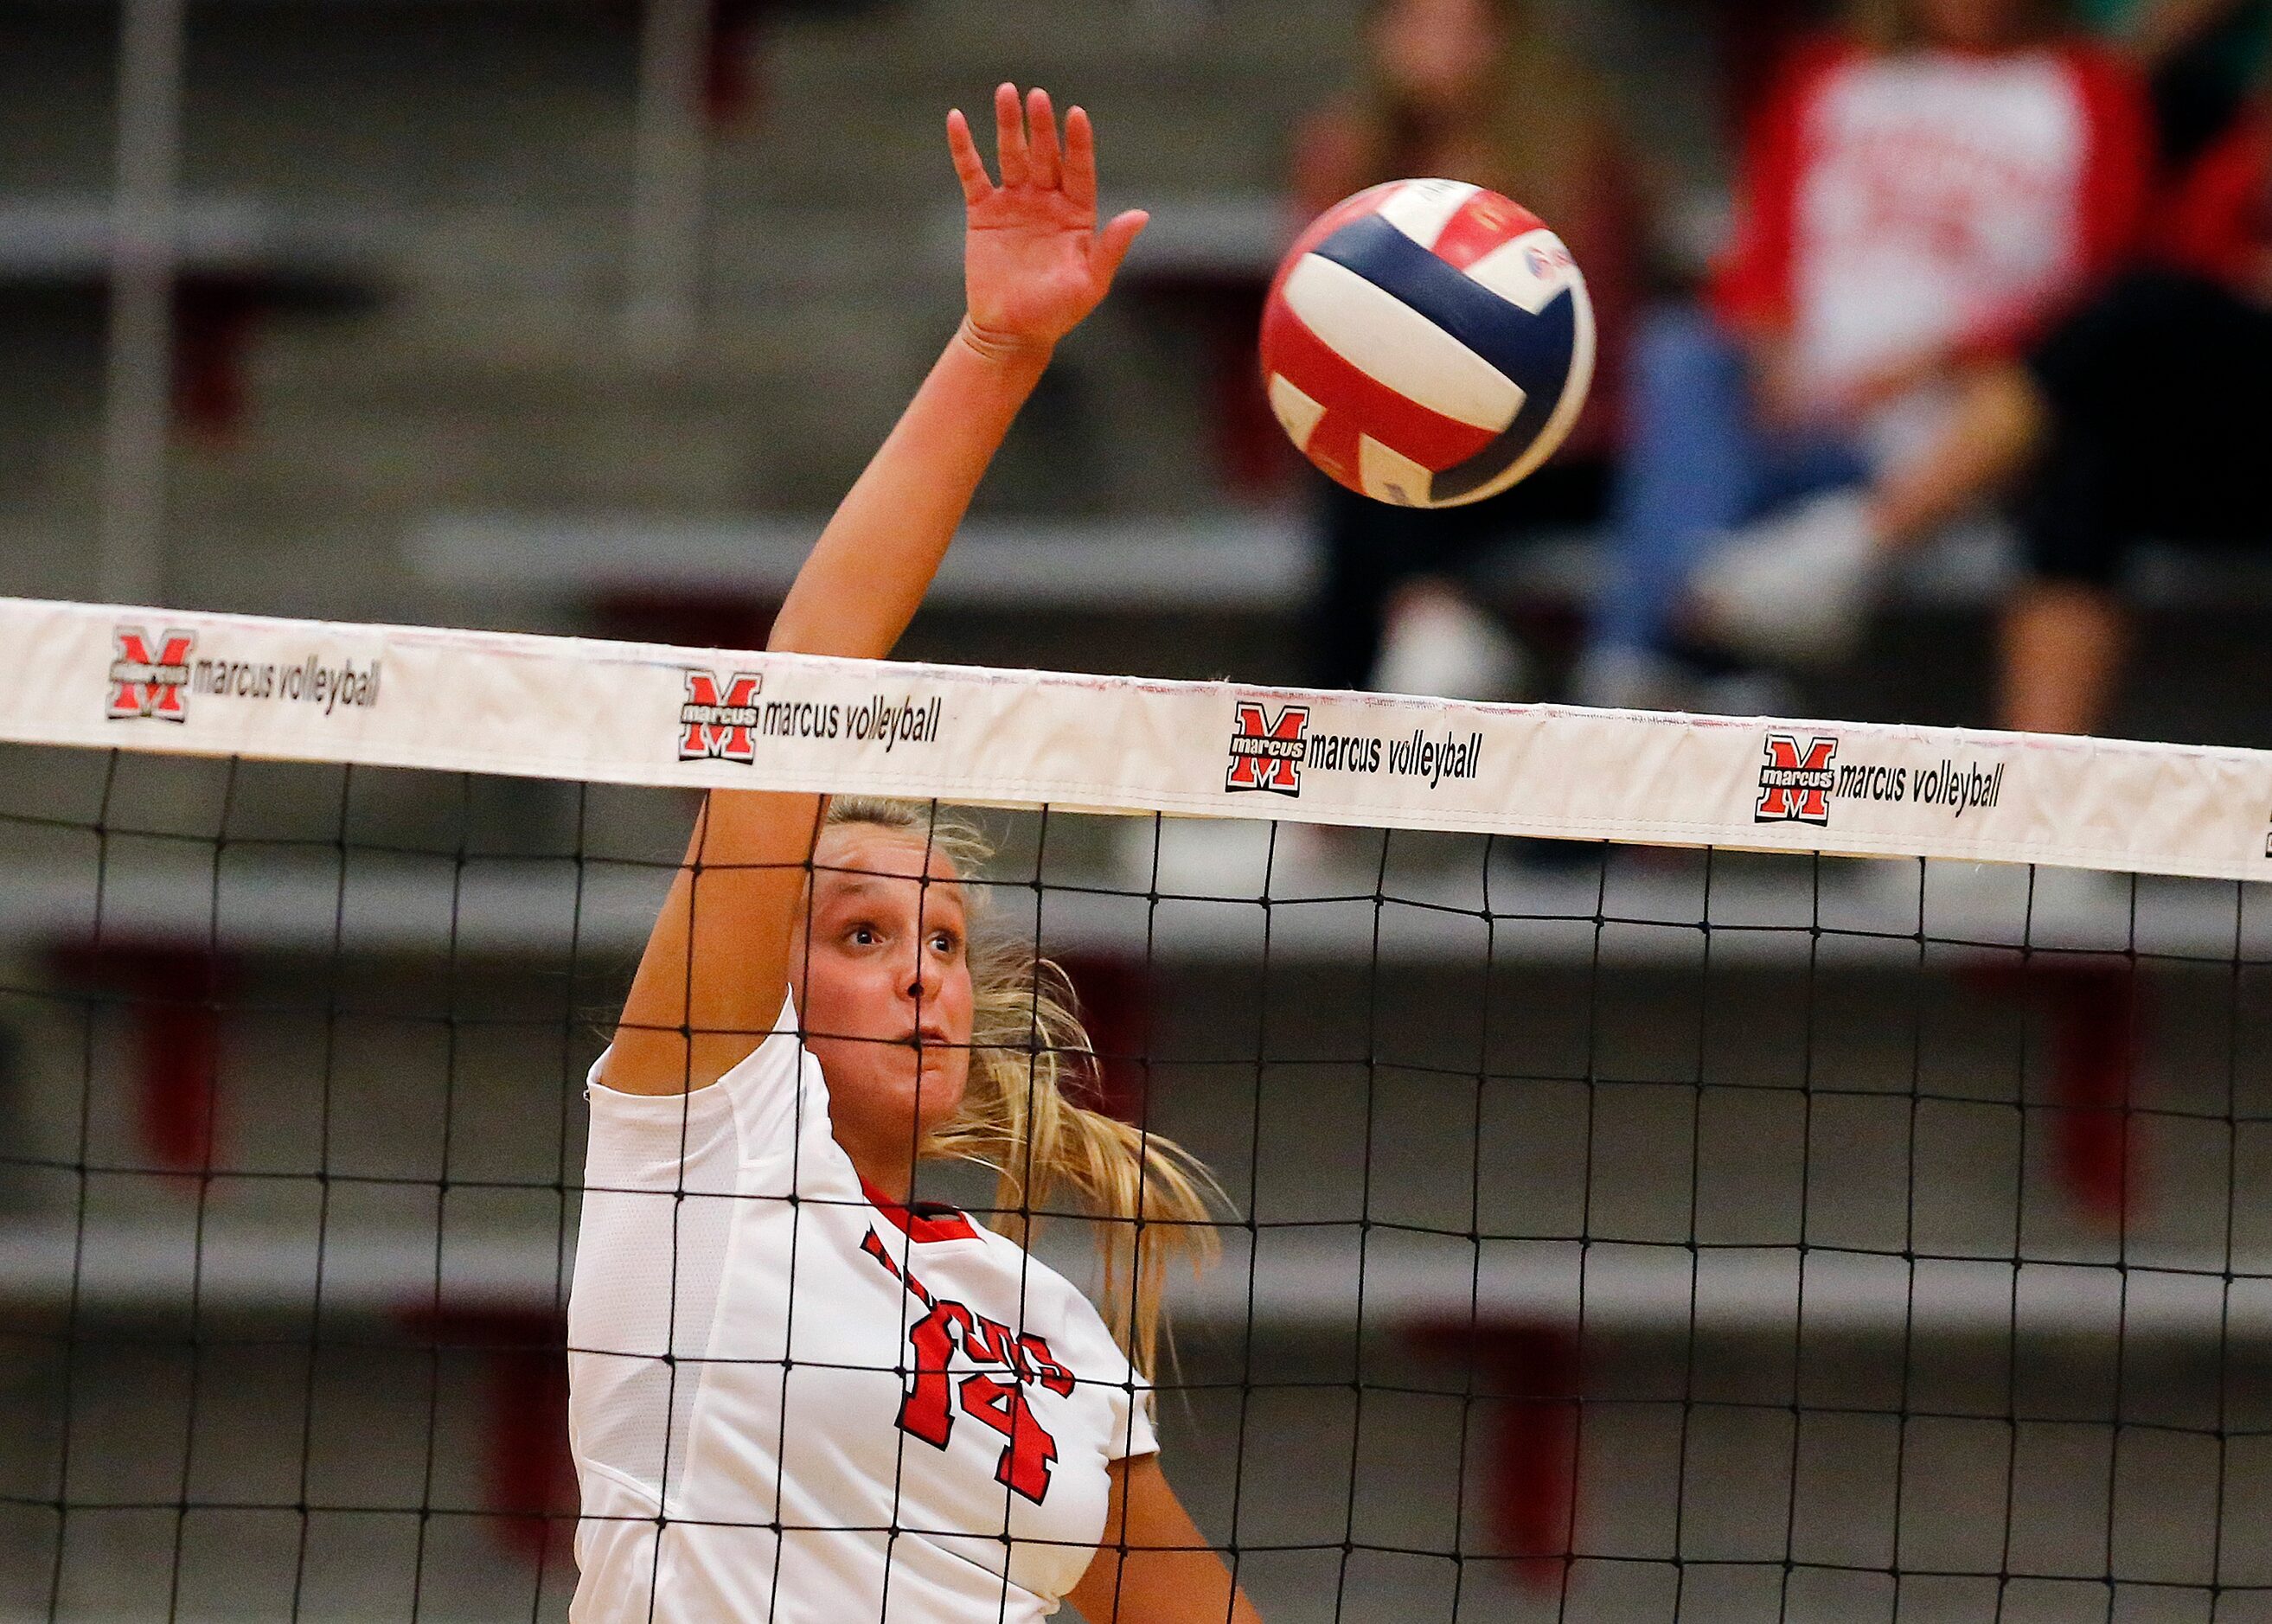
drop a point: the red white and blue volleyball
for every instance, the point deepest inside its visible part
(1428, 343)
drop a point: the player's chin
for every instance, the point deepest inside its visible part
(935, 1089)
(926, 1089)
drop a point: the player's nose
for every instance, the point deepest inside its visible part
(919, 976)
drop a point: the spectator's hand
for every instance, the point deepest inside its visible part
(1780, 398)
(1889, 383)
(1787, 404)
(1034, 262)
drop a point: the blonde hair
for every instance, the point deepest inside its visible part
(1030, 1062)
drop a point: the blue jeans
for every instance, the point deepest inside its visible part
(1698, 464)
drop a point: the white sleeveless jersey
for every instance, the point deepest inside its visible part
(790, 1402)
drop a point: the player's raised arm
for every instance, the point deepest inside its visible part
(711, 981)
(1034, 265)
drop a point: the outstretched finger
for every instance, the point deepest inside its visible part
(1010, 136)
(1118, 236)
(1042, 137)
(1079, 160)
(969, 167)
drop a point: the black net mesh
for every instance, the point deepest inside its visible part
(1615, 1233)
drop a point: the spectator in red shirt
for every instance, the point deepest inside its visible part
(2146, 414)
(1925, 193)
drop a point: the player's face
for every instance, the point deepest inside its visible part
(883, 981)
(1972, 24)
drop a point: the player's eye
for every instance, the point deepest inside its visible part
(864, 936)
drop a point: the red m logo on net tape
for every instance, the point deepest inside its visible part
(147, 680)
(1266, 750)
(720, 716)
(1796, 783)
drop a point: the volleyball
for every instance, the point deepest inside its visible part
(1428, 343)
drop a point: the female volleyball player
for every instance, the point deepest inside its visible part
(797, 1394)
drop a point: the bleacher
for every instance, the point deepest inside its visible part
(448, 434)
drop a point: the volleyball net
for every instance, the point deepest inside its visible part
(1680, 1167)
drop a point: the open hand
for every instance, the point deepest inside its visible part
(1034, 262)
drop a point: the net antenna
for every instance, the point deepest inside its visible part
(1677, 1167)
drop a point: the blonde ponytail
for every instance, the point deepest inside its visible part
(1031, 1062)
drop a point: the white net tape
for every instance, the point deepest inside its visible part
(628, 713)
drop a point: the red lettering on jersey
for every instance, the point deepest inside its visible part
(927, 1410)
(923, 1411)
(1025, 1465)
(1046, 1369)
(998, 1345)
(874, 1247)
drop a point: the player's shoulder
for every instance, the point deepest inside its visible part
(1048, 1296)
(1004, 1258)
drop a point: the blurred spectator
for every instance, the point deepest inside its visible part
(2201, 55)
(1754, 38)
(2144, 415)
(1471, 90)
(2154, 420)
(1926, 191)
